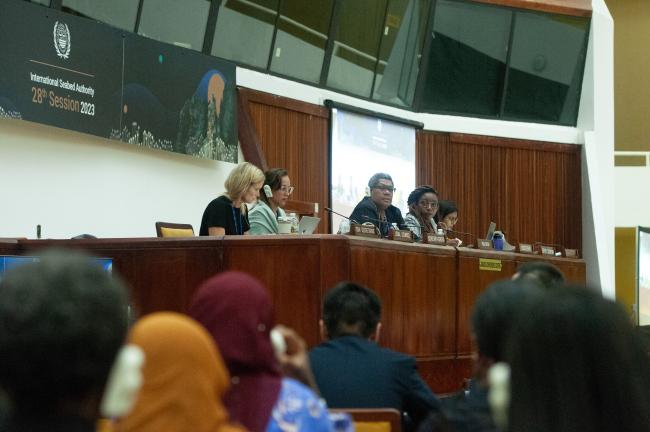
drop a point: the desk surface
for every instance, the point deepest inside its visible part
(427, 291)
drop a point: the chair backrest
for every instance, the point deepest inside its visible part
(374, 419)
(168, 229)
(301, 208)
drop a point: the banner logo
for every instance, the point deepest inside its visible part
(62, 39)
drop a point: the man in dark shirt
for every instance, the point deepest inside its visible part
(352, 371)
(377, 208)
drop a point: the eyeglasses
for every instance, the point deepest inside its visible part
(287, 189)
(428, 204)
(390, 189)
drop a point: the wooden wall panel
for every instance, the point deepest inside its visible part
(291, 267)
(294, 135)
(532, 190)
(416, 284)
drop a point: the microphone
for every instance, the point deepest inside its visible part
(459, 232)
(339, 214)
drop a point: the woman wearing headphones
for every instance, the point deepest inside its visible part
(274, 195)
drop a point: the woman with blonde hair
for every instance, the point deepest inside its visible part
(227, 214)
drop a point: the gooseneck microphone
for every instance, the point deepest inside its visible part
(339, 214)
(459, 232)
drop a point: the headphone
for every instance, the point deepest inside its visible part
(267, 191)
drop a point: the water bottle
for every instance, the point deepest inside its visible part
(497, 241)
(294, 223)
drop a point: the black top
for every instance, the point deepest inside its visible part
(221, 213)
(353, 372)
(366, 211)
(466, 411)
(52, 424)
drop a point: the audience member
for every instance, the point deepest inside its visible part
(62, 322)
(541, 273)
(352, 371)
(237, 311)
(226, 215)
(576, 364)
(377, 208)
(423, 205)
(184, 378)
(274, 194)
(491, 322)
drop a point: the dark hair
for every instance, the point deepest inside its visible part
(494, 313)
(444, 208)
(374, 180)
(273, 178)
(577, 365)
(351, 308)
(542, 273)
(417, 193)
(62, 322)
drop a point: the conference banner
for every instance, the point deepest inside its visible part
(78, 74)
(58, 69)
(178, 100)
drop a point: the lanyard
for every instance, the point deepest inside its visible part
(238, 229)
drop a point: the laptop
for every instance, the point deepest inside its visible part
(490, 232)
(308, 224)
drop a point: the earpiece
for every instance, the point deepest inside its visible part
(278, 342)
(267, 191)
(124, 382)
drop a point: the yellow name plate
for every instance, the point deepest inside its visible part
(487, 264)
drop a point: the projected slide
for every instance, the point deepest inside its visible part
(363, 146)
(644, 276)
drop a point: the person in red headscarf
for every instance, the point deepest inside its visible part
(236, 309)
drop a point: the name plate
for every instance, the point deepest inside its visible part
(363, 230)
(484, 244)
(487, 264)
(401, 235)
(547, 250)
(571, 253)
(433, 238)
(526, 248)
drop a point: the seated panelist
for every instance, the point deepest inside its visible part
(377, 208)
(274, 195)
(227, 214)
(423, 205)
(447, 218)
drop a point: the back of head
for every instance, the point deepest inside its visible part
(62, 322)
(494, 313)
(541, 273)
(577, 365)
(184, 377)
(237, 311)
(349, 308)
(242, 177)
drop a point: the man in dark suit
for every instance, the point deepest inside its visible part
(352, 371)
